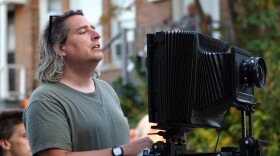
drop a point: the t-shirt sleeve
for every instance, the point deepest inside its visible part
(46, 126)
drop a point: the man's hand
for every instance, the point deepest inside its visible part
(137, 146)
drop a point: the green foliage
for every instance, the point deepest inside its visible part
(133, 96)
(257, 30)
(261, 35)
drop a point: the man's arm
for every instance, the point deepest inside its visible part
(131, 149)
(61, 152)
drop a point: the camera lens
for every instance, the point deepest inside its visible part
(254, 72)
(259, 72)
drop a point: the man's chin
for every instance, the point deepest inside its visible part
(98, 57)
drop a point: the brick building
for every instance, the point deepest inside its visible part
(21, 21)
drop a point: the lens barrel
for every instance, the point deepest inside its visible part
(254, 72)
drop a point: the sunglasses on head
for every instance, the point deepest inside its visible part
(52, 16)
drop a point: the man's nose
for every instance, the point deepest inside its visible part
(95, 35)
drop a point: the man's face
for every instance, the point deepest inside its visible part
(191, 9)
(82, 45)
(18, 142)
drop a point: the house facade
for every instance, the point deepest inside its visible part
(22, 20)
(21, 23)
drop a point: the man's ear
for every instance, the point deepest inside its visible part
(5, 144)
(59, 49)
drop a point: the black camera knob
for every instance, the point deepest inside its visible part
(158, 147)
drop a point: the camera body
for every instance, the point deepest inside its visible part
(193, 79)
(248, 72)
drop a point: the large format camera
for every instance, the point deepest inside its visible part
(192, 80)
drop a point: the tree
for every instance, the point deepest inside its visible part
(256, 27)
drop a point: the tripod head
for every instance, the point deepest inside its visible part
(248, 145)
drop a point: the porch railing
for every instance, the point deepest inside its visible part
(15, 87)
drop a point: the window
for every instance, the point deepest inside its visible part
(54, 6)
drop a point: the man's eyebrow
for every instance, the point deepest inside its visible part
(85, 26)
(82, 27)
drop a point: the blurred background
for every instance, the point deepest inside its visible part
(253, 25)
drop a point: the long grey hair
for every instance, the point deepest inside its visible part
(50, 64)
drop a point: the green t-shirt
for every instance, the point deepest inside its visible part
(58, 116)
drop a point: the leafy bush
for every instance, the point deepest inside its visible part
(133, 95)
(256, 25)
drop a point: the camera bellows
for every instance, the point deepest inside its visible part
(189, 79)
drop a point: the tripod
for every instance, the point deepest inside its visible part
(248, 145)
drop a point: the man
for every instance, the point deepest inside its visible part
(194, 21)
(72, 113)
(13, 141)
(191, 21)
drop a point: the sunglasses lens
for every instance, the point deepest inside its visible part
(51, 20)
